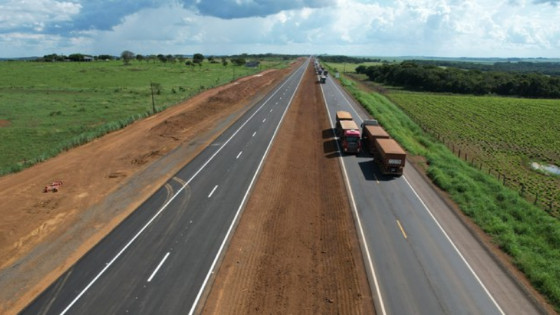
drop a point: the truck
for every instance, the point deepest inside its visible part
(390, 157)
(349, 136)
(343, 115)
(371, 131)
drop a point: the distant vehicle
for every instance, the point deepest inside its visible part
(323, 79)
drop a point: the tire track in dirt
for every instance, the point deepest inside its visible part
(295, 250)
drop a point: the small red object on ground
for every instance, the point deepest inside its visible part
(54, 186)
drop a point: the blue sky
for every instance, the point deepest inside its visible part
(444, 28)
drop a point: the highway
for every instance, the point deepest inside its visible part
(420, 258)
(161, 259)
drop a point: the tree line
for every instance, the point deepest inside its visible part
(544, 67)
(428, 77)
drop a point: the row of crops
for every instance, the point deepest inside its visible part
(500, 134)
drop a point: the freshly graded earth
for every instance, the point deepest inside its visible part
(295, 250)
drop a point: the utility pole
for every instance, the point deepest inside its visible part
(153, 100)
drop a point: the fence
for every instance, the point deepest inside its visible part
(550, 205)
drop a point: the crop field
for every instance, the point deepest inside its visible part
(46, 108)
(499, 134)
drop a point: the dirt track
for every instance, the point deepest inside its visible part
(295, 250)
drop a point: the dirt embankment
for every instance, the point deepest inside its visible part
(43, 234)
(295, 250)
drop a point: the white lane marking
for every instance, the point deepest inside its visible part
(254, 133)
(271, 110)
(158, 266)
(212, 192)
(238, 155)
(455, 248)
(433, 217)
(236, 218)
(357, 217)
(347, 102)
(125, 247)
(264, 120)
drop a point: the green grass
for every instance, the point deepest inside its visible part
(525, 232)
(51, 107)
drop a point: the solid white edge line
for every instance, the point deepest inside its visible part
(364, 242)
(212, 192)
(125, 247)
(158, 266)
(437, 223)
(455, 248)
(234, 222)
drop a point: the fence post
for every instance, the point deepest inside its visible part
(522, 192)
(536, 198)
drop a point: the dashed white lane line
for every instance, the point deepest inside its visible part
(238, 155)
(158, 266)
(254, 133)
(213, 190)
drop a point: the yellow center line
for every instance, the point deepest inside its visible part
(402, 230)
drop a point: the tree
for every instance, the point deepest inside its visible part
(198, 58)
(126, 56)
(105, 57)
(76, 57)
(224, 62)
(238, 61)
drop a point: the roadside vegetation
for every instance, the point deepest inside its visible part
(524, 231)
(54, 104)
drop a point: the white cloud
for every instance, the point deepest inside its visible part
(35, 14)
(353, 27)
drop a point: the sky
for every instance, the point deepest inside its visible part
(438, 28)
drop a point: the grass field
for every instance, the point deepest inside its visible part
(522, 230)
(49, 107)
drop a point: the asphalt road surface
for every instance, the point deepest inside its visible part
(420, 258)
(161, 258)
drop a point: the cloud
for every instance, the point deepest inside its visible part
(353, 27)
(551, 2)
(34, 16)
(234, 9)
(100, 15)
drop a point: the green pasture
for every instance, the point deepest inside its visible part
(524, 231)
(46, 108)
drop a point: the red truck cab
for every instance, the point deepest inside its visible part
(351, 141)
